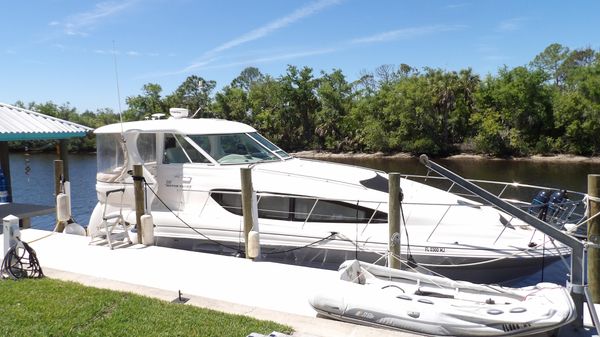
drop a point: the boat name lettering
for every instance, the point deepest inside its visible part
(435, 249)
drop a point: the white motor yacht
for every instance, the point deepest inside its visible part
(309, 212)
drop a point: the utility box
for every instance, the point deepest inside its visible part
(10, 228)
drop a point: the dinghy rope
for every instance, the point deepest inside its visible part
(332, 235)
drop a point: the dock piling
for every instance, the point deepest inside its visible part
(250, 214)
(138, 189)
(593, 236)
(394, 220)
(59, 175)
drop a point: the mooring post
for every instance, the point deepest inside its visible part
(252, 244)
(593, 236)
(394, 220)
(138, 192)
(58, 179)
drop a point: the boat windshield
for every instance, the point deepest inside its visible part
(238, 148)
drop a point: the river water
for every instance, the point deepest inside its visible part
(37, 187)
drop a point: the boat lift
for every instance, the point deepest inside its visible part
(576, 285)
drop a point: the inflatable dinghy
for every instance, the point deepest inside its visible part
(404, 300)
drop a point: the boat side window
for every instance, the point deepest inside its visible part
(178, 150)
(297, 209)
(229, 200)
(146, 147)
(112, 162)
(274, 207)
(335, 211)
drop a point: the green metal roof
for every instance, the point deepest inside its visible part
(22, 124)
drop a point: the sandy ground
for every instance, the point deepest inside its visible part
(552, 158)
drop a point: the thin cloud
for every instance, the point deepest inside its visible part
(285, 56)
(249, 61)
(261, 32)
(81, 23)
(455, 6)
(407, 33)
(132, 53)
(511, 25)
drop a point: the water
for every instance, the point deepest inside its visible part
(38, 186)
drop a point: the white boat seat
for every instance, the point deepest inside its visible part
(110, 222)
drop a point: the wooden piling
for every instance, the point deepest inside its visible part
(593, 236)
(58, 179)
(394, 219)
(63, 154)
(246, 179)
(138, 192)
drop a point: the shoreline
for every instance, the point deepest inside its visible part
(560, 158)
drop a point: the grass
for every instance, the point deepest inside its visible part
(47, 307)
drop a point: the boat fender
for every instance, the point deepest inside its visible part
(74, 228)
(62, 207)
(253, 244)
(147, 230)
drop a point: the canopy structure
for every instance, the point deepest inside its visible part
(22, 124)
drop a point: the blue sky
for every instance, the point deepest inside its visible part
(64, 51)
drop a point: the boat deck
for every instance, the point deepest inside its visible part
(263, 290)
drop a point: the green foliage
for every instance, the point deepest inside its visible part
(46, 307)
(551, 106)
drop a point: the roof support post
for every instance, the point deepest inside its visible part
(5, 165)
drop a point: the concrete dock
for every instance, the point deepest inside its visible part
(263, 290)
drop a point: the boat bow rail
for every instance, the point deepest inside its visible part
(577, 285)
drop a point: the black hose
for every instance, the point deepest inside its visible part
(21, 262)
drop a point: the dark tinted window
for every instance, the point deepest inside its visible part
(297, 209)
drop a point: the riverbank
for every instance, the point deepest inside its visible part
(561, 158)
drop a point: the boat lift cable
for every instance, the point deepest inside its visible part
(239, 251)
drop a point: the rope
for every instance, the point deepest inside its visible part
(330, 236)
(21, 262)
(184, 222)
(594, 199)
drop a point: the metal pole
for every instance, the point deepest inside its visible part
(593, 236)
(58, 179)
(246, 178)
(138, 190)
(394, 219)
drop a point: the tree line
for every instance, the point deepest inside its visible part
(551, 105)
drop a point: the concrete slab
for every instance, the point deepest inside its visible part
(263, 290)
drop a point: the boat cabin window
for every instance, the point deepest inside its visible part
(146, 146)
(233, 148)
(112, 163)
(177, 150)
(266, 143)
(297, 209)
